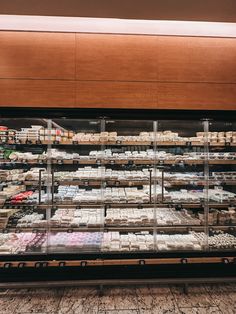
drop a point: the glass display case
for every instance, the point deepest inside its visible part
(117, 188)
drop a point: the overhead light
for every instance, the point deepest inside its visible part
(116, 26)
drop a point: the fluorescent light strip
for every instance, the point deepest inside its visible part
(116, 26)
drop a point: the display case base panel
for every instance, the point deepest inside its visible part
(117, 275)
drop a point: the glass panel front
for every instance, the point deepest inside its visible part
(182, 178)
(129, 196)
(222, 181)
(116, 186)
(76, 220)
(23, 167)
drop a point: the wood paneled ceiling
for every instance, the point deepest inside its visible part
(187, 10)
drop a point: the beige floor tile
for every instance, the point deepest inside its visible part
(156, 299)
(224, 297)
(79, 301)
(231, 287)
(119, 312)
(26, 301)
(200, 310)
(197, 297)
(8, 303)
(202, 299)
(118, 298)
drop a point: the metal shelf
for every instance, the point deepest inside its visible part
(117, 143)
(106, 228)
(129, 183)
(119, 205)
(130, 162)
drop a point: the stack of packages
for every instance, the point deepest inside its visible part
(13, 243)
(31, 221)
(57, 135)
(95, 137)
(28, 134)
(17, 215)
(220, 217)
(11, 175)
(216, 138)
(19, 198)
(76, 241)
(9, 191)
(37, 243)
(4, 216)
(6, 135)
(71, 217)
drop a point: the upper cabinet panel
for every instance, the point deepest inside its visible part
(116, 95)
(197, 59)
(37, 93)
(199, 96)
(116, 57)
(37, 55)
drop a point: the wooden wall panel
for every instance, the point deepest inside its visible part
(117, 71)
(37, 93)
(200, 96)
(197, 59)
(116, 95)
(116, 57)
(195, 96)
(37, 55)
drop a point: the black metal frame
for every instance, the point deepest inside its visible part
(121, 275)
(124, 114)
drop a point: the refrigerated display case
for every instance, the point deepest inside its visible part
(107, 192)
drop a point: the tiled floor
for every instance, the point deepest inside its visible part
(201, 299)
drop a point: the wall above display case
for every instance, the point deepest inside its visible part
(80, 70)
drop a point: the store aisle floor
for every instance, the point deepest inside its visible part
(201, 299)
